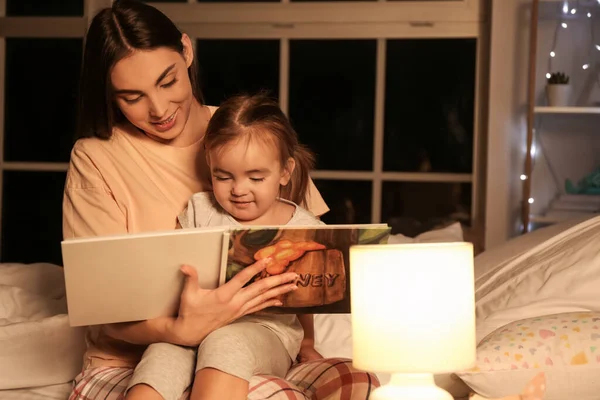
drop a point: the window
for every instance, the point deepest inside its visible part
(38, 77)
(331, 109)
(50, 93)
(228, 67)
(44, 8)
(390, 110)
(386, 93)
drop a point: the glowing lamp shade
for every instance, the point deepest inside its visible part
(413, 314)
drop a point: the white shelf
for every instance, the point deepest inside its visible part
(543, 219)
(554, 217)
(567, 110)
(568, 206)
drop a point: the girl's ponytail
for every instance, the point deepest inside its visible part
(297, 188)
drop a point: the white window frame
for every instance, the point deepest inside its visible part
(290, 20)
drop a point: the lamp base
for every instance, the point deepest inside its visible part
(410, 387)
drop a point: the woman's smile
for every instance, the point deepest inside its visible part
(166, 124)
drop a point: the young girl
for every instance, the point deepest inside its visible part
(260, 173)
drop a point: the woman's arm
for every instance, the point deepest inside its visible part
(89, 208)
(201, 311)
(143, 332)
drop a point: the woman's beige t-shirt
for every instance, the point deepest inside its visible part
(128, 184)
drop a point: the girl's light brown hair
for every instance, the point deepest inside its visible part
(259, 117)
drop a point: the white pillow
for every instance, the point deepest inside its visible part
(494, 257)
(560, 274)
(37, 345)
(565, 347)
(451, 233)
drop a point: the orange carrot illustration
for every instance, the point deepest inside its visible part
(284, 252)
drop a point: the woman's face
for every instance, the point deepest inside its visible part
(153, 90)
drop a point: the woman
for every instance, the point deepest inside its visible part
(142, 120)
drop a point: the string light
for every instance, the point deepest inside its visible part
(567, 12)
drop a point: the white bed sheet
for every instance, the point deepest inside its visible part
(53, 392)
(37, 345)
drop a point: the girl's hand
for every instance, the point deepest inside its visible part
(308, 352)
(201, 311)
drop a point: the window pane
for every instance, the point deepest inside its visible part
(228, 67)
(412, 208)
(32, 216)
(44, 8)
(332, 100)
(237, 1)
(430, 105)
(328, 1)
(49, 91)
(349, 201)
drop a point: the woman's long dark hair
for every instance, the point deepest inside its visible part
(114, 33)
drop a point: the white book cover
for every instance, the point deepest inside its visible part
(135, 277)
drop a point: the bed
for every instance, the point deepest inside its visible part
(49, 392)
(545, 279)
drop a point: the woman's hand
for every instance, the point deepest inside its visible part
(201, 311)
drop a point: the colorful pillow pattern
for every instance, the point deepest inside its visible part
(564, 339)
(565, 347)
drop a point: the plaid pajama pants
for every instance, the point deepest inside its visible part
(330, 378)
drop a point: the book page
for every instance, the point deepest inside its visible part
(318, 254)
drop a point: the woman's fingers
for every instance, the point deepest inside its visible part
(245, 275)
(191, 278)
(266, 298)
(262, 306)
(267, 284)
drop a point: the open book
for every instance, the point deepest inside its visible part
(135, 277)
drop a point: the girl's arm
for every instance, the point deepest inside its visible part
(307, 348)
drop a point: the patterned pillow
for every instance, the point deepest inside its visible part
(564, 346)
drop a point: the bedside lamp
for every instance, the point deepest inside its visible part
(413, 315)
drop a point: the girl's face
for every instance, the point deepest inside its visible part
(246, 178)
(153, 90)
